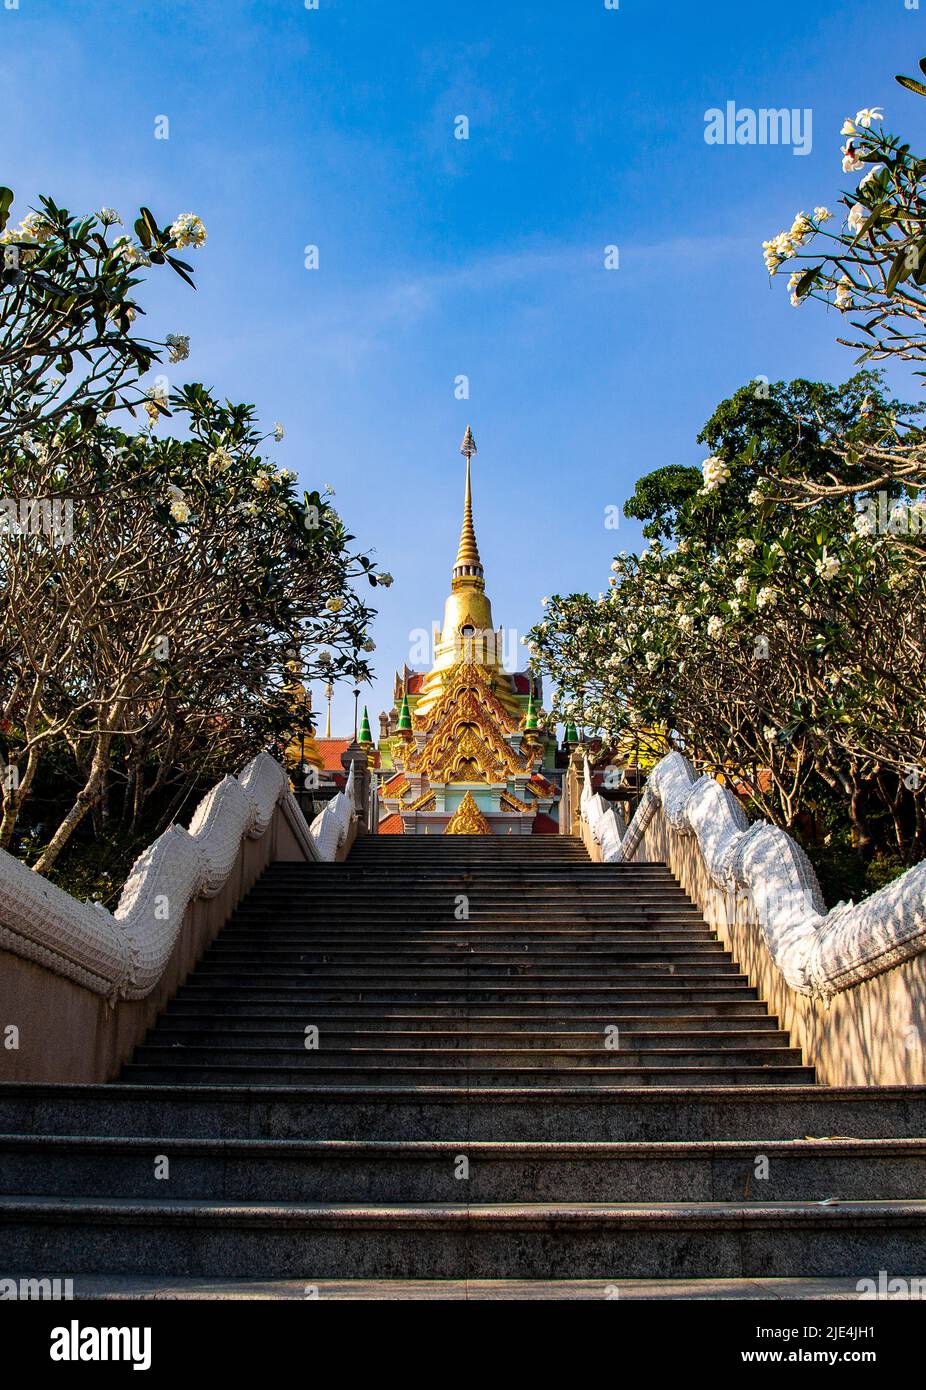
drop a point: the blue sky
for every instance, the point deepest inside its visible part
(485, 257)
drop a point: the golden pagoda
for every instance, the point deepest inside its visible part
(302, 750)
(464, 753)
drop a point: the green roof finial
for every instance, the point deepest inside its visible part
(366, 738)
(572, 733)
(404, 725)
(530, 718)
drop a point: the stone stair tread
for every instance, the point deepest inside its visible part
(415, 1148)
(116, 1287)
(481, 1038)
(518, 1214)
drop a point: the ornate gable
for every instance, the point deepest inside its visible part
(467, 819)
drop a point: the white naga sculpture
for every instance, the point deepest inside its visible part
(819, 953)
(122, 954)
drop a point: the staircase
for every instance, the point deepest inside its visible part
(527, 1067)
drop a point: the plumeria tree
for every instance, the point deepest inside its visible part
(157, 640)
(779, 646)
(69, 310)
(870, 266)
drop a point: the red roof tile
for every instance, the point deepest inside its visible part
(386, 787)
(544, 824)
(392, 825)
(332, 748)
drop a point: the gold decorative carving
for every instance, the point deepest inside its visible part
(467, 819)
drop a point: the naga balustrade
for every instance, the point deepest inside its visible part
(849, 983)
(80, 985)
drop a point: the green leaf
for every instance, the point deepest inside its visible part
(912, 84)
(6, 199)
(806, 280)
(181, 271)
(899, 270)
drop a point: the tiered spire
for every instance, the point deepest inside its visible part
(366, 736)
(468, 563)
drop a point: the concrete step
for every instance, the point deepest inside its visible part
(300, 1170)
(443, 936)
(377, 1036)
(390, 1053)
(466, 967)
(721, 1072)
(112, 1288)
(474, 993)
(756, 1115)
(437, 1241)
(676, 952)
(525, 1016)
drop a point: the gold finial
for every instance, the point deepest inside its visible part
(468, 447)
(468, 563)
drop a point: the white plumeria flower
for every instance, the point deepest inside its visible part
(851, 163)
(857, 217)
(714, 627)
(848, 128)
(767, 597)
(715, 472)
(872, 174)
(864, 526)
(278, 431)
(179, 344)
(828, 566)
(770, 733)
(844, 300)
(188, 230)
(126, 249)
(800, 228)
(745, 546)
(220, 459)
(822, 214)
(867, 115)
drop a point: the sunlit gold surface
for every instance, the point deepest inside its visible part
(467, 819)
